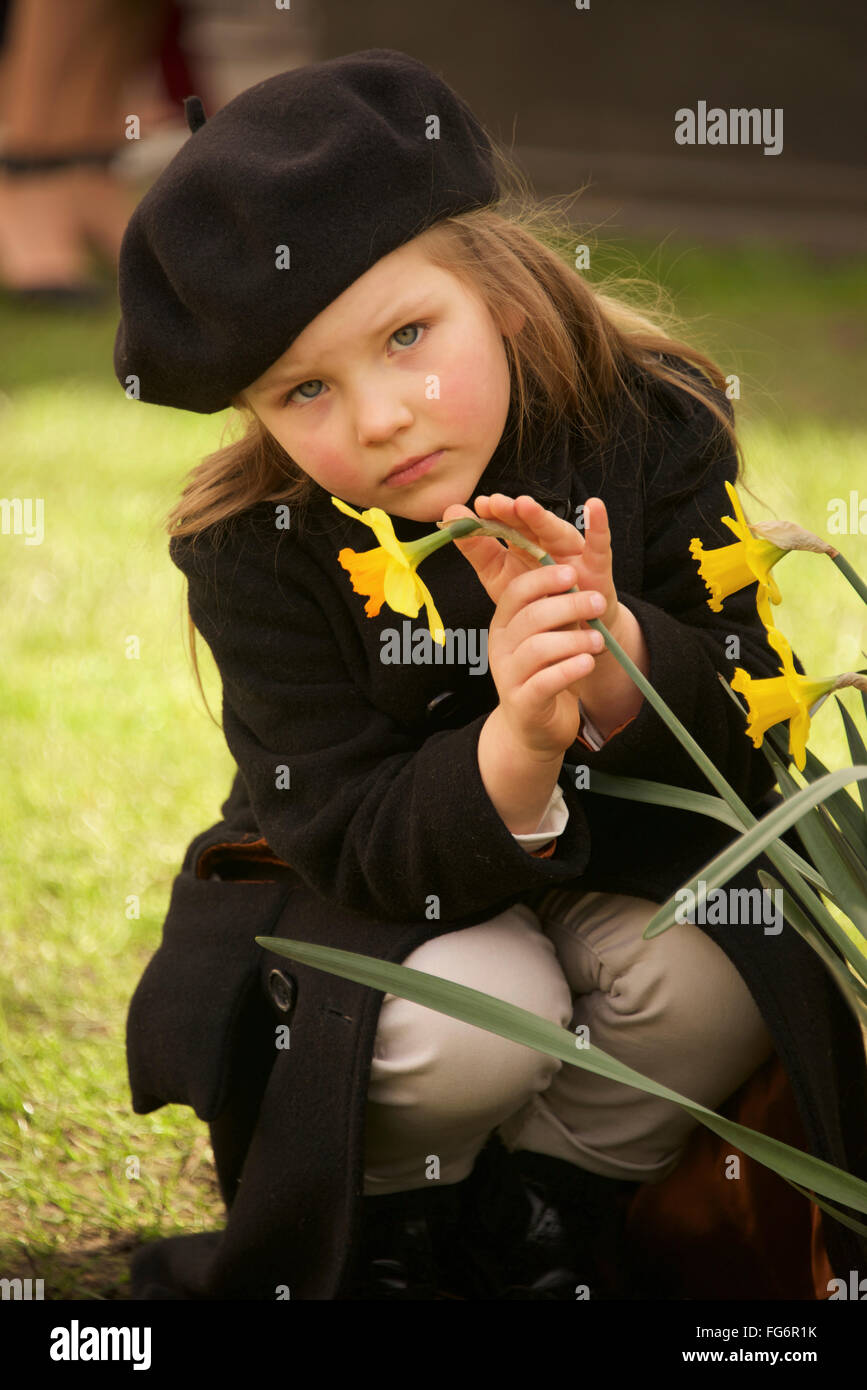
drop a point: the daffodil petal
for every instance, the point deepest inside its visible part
(435, 622)
(382, 527)
(799, 728)
(740, 529)
(736, 503)
(402, 590)
(345, 507)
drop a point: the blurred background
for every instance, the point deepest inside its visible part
(111, 763)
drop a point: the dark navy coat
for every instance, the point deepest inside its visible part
(385, 806)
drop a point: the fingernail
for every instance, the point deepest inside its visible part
(597, 602)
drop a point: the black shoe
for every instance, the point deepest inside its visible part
(550, 1229)
(404, 1238)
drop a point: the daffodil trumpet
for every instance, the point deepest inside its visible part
(388, 573)
(788, 696)
(748, 560)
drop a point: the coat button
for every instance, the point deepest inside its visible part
(443, 704)
(283, 990)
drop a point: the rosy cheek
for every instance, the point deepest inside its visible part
(330, 469)
(469, 383)
(471, 380)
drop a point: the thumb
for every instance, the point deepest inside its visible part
(454, 512)
(484, 553)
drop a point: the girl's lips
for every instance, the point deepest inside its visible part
(417, 470)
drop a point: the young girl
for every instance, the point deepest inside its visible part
(326, 254)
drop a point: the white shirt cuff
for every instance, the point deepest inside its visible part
(552, 824)
(589, 731)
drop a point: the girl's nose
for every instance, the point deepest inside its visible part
(379, 413)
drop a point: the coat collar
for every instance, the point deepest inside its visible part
(545, 470)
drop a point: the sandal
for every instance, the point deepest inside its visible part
(33, 190)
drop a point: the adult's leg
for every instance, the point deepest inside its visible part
(64, 72)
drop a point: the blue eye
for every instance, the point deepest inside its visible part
(403, 330)
(316, 381)
(289, 394)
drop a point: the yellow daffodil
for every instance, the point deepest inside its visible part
(788, 696)
(733, 567)
(387, 573)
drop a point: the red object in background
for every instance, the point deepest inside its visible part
(178, 71)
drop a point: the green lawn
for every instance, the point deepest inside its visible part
(112, 765)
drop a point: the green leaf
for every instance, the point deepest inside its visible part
(848, 884)
(853, 738)
(832, 1211)
(841, 804)
(684, 799)
(752, 842)
(521, 1026)
(852, 988)
(664, 794)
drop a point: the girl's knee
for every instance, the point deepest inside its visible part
(684, 988)
(422, 1056)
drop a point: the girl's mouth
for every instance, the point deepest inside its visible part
(415, 470)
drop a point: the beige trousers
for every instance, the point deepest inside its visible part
(674, 1008)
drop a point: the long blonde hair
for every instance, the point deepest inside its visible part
(570, 356)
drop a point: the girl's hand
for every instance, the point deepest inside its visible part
(496, 565)
(539, 645)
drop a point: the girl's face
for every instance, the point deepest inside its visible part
(405, 363)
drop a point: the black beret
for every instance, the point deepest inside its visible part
(338, 163)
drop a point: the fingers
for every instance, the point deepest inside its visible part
(527, 516)
(485, 553)
(518, 607)
(571, 653)
(597, 533)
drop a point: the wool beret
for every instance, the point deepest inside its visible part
(274, 206)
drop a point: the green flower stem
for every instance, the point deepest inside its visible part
(455, 530)
(774, 852)
(852, 575)
(680, 731)
(467, 525)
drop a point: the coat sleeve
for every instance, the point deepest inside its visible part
(684, 496)
(375, 818)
